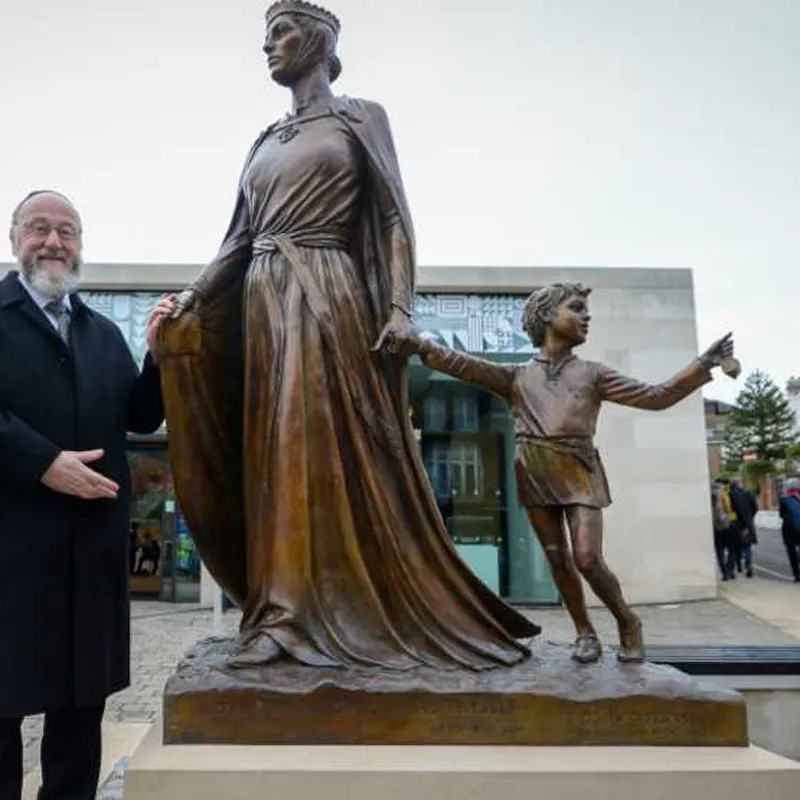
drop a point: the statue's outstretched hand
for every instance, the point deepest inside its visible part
(722, 348)
(721, 354)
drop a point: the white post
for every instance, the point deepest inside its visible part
(217, 609)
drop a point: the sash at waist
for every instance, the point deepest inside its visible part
(330, 238)
(288, 245)
(579, 447)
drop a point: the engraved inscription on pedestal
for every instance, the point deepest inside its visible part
(548, 700)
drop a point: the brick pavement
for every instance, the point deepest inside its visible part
(161, 634)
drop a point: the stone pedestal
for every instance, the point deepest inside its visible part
(548, 700)
(210, 772)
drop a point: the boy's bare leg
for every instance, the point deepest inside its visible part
(548, 523)
(586, 528)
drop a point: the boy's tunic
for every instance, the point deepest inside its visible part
(555, 407)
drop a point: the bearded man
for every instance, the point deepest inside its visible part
(69, 391)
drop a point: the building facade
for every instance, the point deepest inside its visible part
(658, 532)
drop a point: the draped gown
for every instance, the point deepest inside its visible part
(347, 561)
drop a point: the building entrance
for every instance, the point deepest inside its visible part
(467, 439)
(162, 559)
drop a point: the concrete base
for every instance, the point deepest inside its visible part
(310, 772)
(774, 721)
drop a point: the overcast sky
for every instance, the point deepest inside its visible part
(660, 133)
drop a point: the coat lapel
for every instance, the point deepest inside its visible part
(13, 295)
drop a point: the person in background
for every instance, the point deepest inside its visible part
(151, 554)
(723, 517)
(133, 547)
(789, 510)
(69, 392)
(745, 507)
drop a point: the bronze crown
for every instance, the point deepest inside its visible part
(306, 9)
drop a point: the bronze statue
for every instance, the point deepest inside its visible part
(555, 399)
(294, 458)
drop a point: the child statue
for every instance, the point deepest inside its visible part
(555, 399)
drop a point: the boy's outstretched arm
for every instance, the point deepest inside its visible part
(497, 378)
(617, 388)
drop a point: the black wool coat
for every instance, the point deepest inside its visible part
(64, 600)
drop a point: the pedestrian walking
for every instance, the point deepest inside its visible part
(722, 518)
(745, 508)
(789, 510)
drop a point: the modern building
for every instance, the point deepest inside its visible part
(658, 531)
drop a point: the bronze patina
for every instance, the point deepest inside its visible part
(294, 457)
(556, 398)
(548, 699)
(298, 470)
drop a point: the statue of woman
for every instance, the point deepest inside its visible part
(294, 458)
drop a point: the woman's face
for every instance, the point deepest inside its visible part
(283, 46)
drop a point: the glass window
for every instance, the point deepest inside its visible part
(434, 412)
(467, 468)
(467, 443)
(146, 527)
(438, 465)
(163, 559)
(466, 412)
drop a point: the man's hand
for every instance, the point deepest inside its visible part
(68, 474)
(164, 310)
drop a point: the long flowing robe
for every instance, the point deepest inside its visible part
(293, 454)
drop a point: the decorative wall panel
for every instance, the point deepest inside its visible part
(475, 323)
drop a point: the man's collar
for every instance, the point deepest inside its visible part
(38, 298)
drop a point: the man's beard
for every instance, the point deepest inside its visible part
(67, 283)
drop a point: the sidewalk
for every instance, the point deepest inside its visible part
(775, 602)
(768, 519)
(757, 612)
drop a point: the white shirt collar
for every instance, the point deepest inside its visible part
(38, 298)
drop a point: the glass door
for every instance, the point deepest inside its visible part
(146, 530)
(466, 435)
(163, 560)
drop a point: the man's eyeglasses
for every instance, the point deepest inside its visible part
(41, 230)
